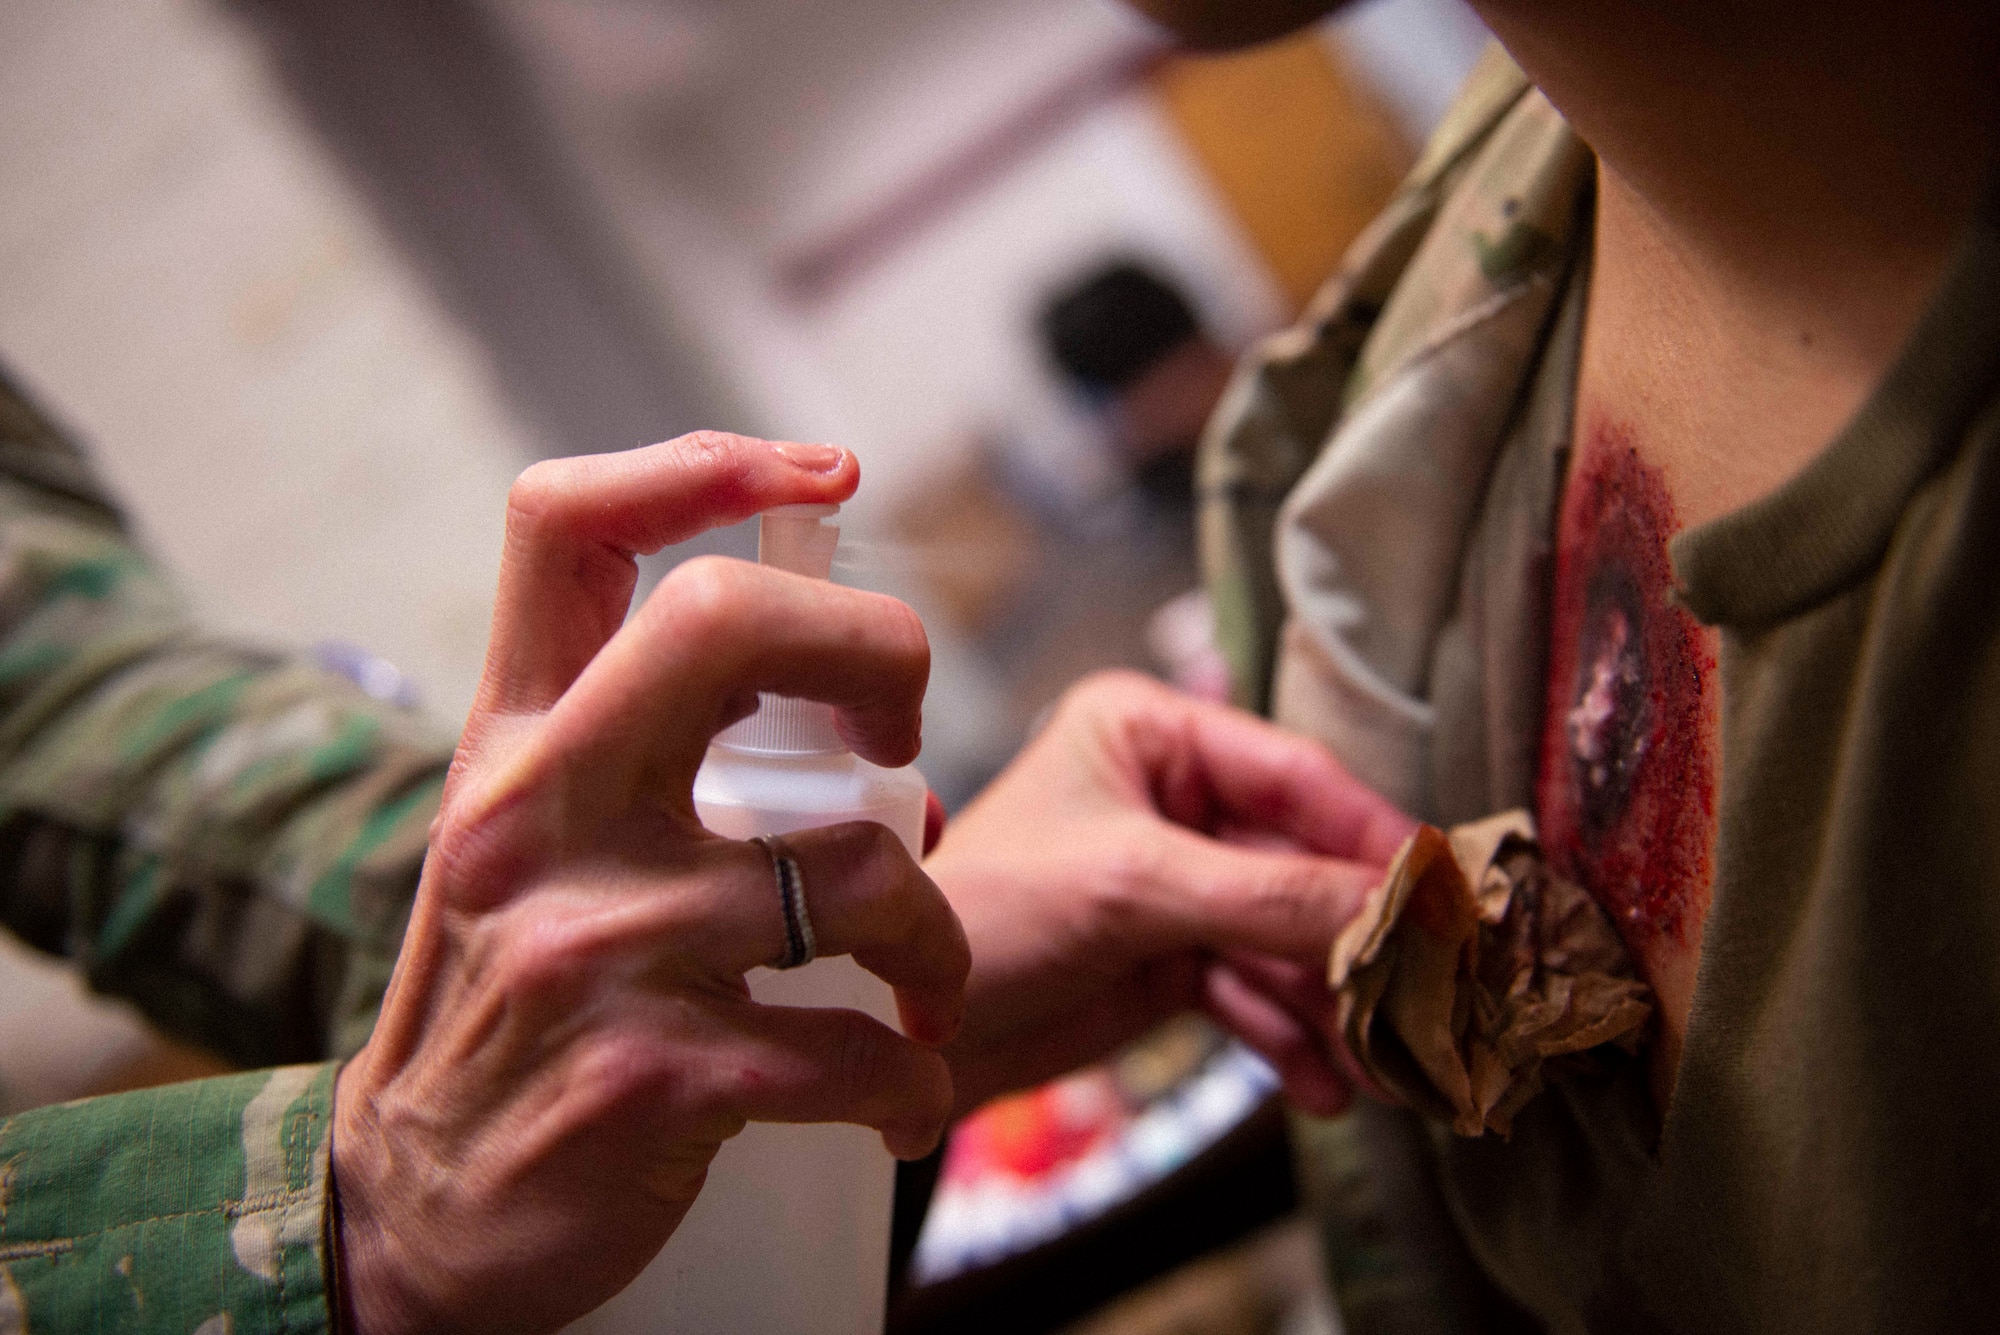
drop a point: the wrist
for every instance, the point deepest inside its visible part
(340, 1313)
(368, 1292)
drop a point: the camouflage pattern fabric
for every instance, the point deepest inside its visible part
(228, 839)
(1291, 390)
(190, 1208)
(1371, 543)
(1338, 481)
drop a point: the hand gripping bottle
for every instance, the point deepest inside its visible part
(791, 1231)
(785, 768)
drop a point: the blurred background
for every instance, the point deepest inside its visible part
(315, 279)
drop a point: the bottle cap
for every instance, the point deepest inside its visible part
(794, 538)
(784, 725)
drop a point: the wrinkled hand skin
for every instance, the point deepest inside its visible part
(1149, 854)
(568, 1037)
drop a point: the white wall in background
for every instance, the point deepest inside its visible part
(938, 336)
(770, 123)
(303, 436)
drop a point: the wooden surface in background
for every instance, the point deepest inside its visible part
(1297, 147)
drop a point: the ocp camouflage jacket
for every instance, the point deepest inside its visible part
(231, 840)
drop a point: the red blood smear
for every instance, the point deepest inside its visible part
(1627, 783)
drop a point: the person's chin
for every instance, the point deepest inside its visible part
(1223, 25)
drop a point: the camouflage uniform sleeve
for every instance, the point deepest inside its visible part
(1291, 388)
(198, 1207)
(228, 839)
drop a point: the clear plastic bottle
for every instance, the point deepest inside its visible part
(791, 1232)
(785, 767)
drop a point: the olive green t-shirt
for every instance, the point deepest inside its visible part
(1830, 1159)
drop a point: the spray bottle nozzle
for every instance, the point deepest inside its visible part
(794, 538)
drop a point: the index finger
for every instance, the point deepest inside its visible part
(574, 526)
(1231, 772)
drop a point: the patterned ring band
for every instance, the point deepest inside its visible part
(799, 944)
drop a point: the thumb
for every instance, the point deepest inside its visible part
(1271, 901)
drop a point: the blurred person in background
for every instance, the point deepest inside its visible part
(1131, 343)
(1590, 461)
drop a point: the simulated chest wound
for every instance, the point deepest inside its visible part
(1625, 792)
(1609, 724)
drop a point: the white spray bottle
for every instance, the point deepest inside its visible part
(785, 768)
(791, 1231)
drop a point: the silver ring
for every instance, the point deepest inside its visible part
(799, 944)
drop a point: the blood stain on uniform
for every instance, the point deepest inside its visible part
(1627, 785)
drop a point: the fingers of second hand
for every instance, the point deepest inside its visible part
(1289, 1041)
(1206, 760)
(1298, 986)
(1302, 989)
(1292, 786)
(1226, 896)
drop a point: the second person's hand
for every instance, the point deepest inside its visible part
(1148, 854)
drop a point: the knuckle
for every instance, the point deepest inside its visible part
(535, 959)
(953, 955)
(725, 1089)
(879, 855)
(1110, 697)
(1119, 686)
(453, 843)
(1083, 695)
(931, 929)
(537, 492)
(932, 925)
(719, 455)
(1291, 906)
(474, 850)
(1131, 874)
(861, 1060)
(527, 967)
(497, 792)
(706, 595)
(940, 1090)
(613, 1068)
(897, 906)
(899, 648)
(878, 870)
(905, 633)
(927, 1097)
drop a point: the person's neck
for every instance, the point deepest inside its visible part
(1780, 189)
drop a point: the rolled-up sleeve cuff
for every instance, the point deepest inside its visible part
(199, 1207)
